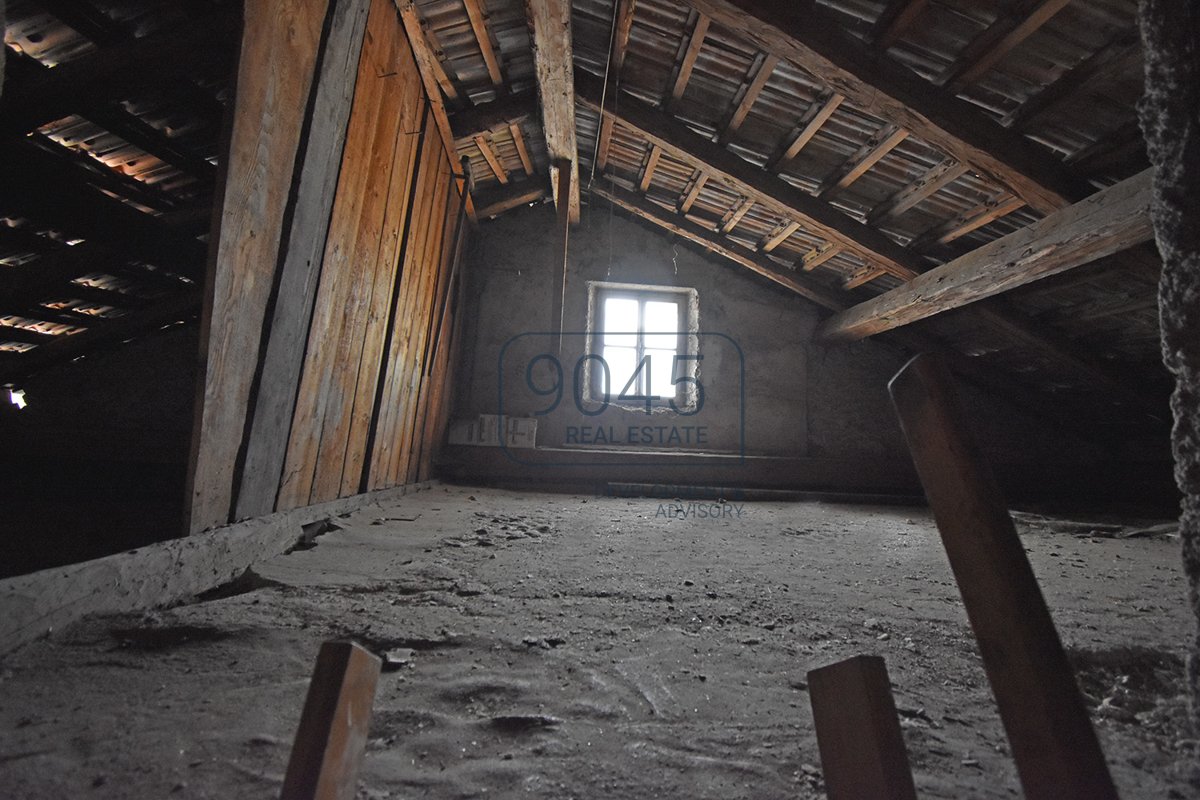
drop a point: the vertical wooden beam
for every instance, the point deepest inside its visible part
(266, 444)
(648, 169)
(478, 21)
(276, 70)
(747, 95)
(1055, 749)
(562, 230)
(489, 156)
(688, 60)
(332, 735)
(858, 731)
(514, 128)
(550, 32)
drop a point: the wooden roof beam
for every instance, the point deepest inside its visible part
(1110, 221)
(814, 118)
(496, 202)
(894, 22)
(550, 32)
(747, 94)
(699, 178)
(778, 236)
(490, 157)
(809, 38)
(648, 169)
(478, 19)
(882, 142)
(518, 137)
(620, 45)
(488, 117)
(972, 219)
(686, 62)
(997, 41)
(940, 175)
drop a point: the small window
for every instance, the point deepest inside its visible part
(642, 336)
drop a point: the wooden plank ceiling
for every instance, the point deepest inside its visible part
(839, 148)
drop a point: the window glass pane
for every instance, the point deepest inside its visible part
(621, 318)
(622, 361)
(662, 317)
(662, 372)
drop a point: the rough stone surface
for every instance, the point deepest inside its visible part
(1170, 117)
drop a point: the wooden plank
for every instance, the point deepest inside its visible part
(314, 452)
(332, 735)
(747, 95)
(1109, 221)
(522, 151)
(489, 156)
(815, 258)
(275, 77)
(550, 31)
(862, 277)
(606, 129)
(620, 46)
(997, 41)
(897, 17)
(756, 262)
(1052, 741)
(687, 63)
(858, 731)
(1115, 58)
(734, 215)
(649, 167)
(969, 220)
(810, 39)
(299, 273)
(815, 117)
(940, 175)
(882, 142)
(699, 178)
(778, 236)
(427, 61)
(478, 19)
(493, 116)
(682, 143)
(493, 205)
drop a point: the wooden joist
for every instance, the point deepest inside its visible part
(705, 237)
(514, 130)
(806, 36)
(1052, 741)
(1112, 220)
(478, 19)
(814, 118)
(940, 175)
(621, 33)
(489, 155)
(968, 220)
(882, 142)
(699, 178)
(997, 40)
(686, 61)
(648, 168)
(760, 73)
(778, 236)
(734, 215)
(606, 130)
(897, 17)
(550, 33)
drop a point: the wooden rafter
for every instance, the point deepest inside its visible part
(550, 32)
(1110, 221)
(488, 117)
(896, 19)
(969, 220)
(478, 19)
(815, 258)
(747, 94)
(778, 235)
(809, 38)
(997, 40)
(882, 142)
(687, 58)
(862, 276)
(940, 175)
(648, 168)
(620, 45)
(514, 130)
(699, 178)
(816, 116)
(734, 215)
(606, 129)
(489, 155)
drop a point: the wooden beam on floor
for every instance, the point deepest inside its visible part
(810, 39)
(1052, 741)
(1110, 221)
(332, 736)
(747, 94)
(550, 33)
(858, 731)
(687, 60)
(1008, 31)
(710, 240)
(478, 19)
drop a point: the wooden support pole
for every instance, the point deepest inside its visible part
(1055, 749)
(858, 732)
(333, 728)
(562, 229)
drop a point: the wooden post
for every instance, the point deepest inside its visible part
(858, 732)
(333, 728)
(1053, 743)
(562, 230)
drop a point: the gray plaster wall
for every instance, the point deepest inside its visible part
(802, 399)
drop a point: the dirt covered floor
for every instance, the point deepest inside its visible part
(555, 646)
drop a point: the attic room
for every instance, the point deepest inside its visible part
(608, 398)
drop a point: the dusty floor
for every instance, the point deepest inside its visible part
(561, 646)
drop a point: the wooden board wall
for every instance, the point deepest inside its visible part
(326, 359)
